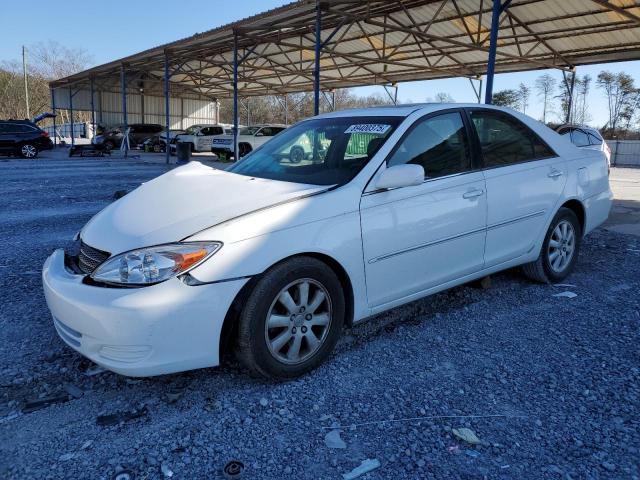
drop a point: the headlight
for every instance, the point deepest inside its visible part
(146, 266)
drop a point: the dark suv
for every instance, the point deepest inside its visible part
(138, 133)
(24, 138)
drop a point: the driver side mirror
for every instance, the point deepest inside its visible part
(399, 176)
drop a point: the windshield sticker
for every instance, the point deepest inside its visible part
(368, 128)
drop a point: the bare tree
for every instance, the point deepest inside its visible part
(620, 90)
(443, 97)
(268, 109)
(545, 87)
(523, 93)
(47, 61)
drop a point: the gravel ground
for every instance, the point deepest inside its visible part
(549, 385)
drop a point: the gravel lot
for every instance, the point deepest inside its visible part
(550, 385)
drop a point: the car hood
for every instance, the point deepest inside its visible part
(183, 202)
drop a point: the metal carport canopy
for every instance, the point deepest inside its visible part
(380, 42)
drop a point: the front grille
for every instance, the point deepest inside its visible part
(89, 258)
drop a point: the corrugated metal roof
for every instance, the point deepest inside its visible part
(380, 42)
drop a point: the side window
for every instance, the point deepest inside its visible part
(267, 132)
(579, 138)
(504, 140)
(205, 131)
(438, 143)
(215, 131)
(593, 140)
(277, 130)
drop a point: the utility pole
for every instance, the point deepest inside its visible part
(26, 84)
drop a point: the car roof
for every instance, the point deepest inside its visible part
(408, 109)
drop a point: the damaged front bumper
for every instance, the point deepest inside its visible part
(164, 328)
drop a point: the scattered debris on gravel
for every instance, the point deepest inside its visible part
(550, 386)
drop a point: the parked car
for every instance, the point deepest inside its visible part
(249, 138)
(586, 137)
(138, 133)
(158, 143)
(200, 136)
(23, 138)
(277, 257)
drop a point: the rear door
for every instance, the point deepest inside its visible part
(6, 137)
(525, 179)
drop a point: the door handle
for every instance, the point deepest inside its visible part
(554, 173)
(473, 193)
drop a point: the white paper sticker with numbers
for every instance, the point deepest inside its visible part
(378, 128)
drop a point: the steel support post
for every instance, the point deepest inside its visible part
(316, 71)
(123, 87)
(493, 46)
(93, 110)
(166, 105)
(53, 108)
(71, 115)
(235, 96)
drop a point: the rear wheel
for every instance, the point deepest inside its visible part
(559, 251)
(28, 150)
(109, 145)
(292, 319)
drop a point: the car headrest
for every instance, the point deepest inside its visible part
(373, 146)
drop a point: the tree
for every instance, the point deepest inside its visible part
(620, 90)
(45, 62)
(523, 92)
(269, 109)
(581, 110)
(443, 97)
(545, 87)
(507, 98)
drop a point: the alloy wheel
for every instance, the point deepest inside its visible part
(562, 245)
(298, 321)
(28, 151)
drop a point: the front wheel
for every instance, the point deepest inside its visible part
(559, 251)
(292, 319)
(28, 150)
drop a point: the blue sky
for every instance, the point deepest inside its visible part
(118, 28)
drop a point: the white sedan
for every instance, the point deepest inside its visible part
(275, 258)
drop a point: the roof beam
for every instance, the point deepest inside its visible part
(622, 11)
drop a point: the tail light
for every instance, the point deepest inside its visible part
(44, 134)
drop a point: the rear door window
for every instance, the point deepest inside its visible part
(505, 140)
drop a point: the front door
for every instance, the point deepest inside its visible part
(419, 237)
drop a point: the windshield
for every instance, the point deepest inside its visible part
(325, 151)
(249, 130)
(192, 130)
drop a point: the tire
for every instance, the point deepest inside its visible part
(243, 149)
(157, 148)
(296, 155)
(109, 145)
(270, 352)
(559, 251)
(28, 150)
